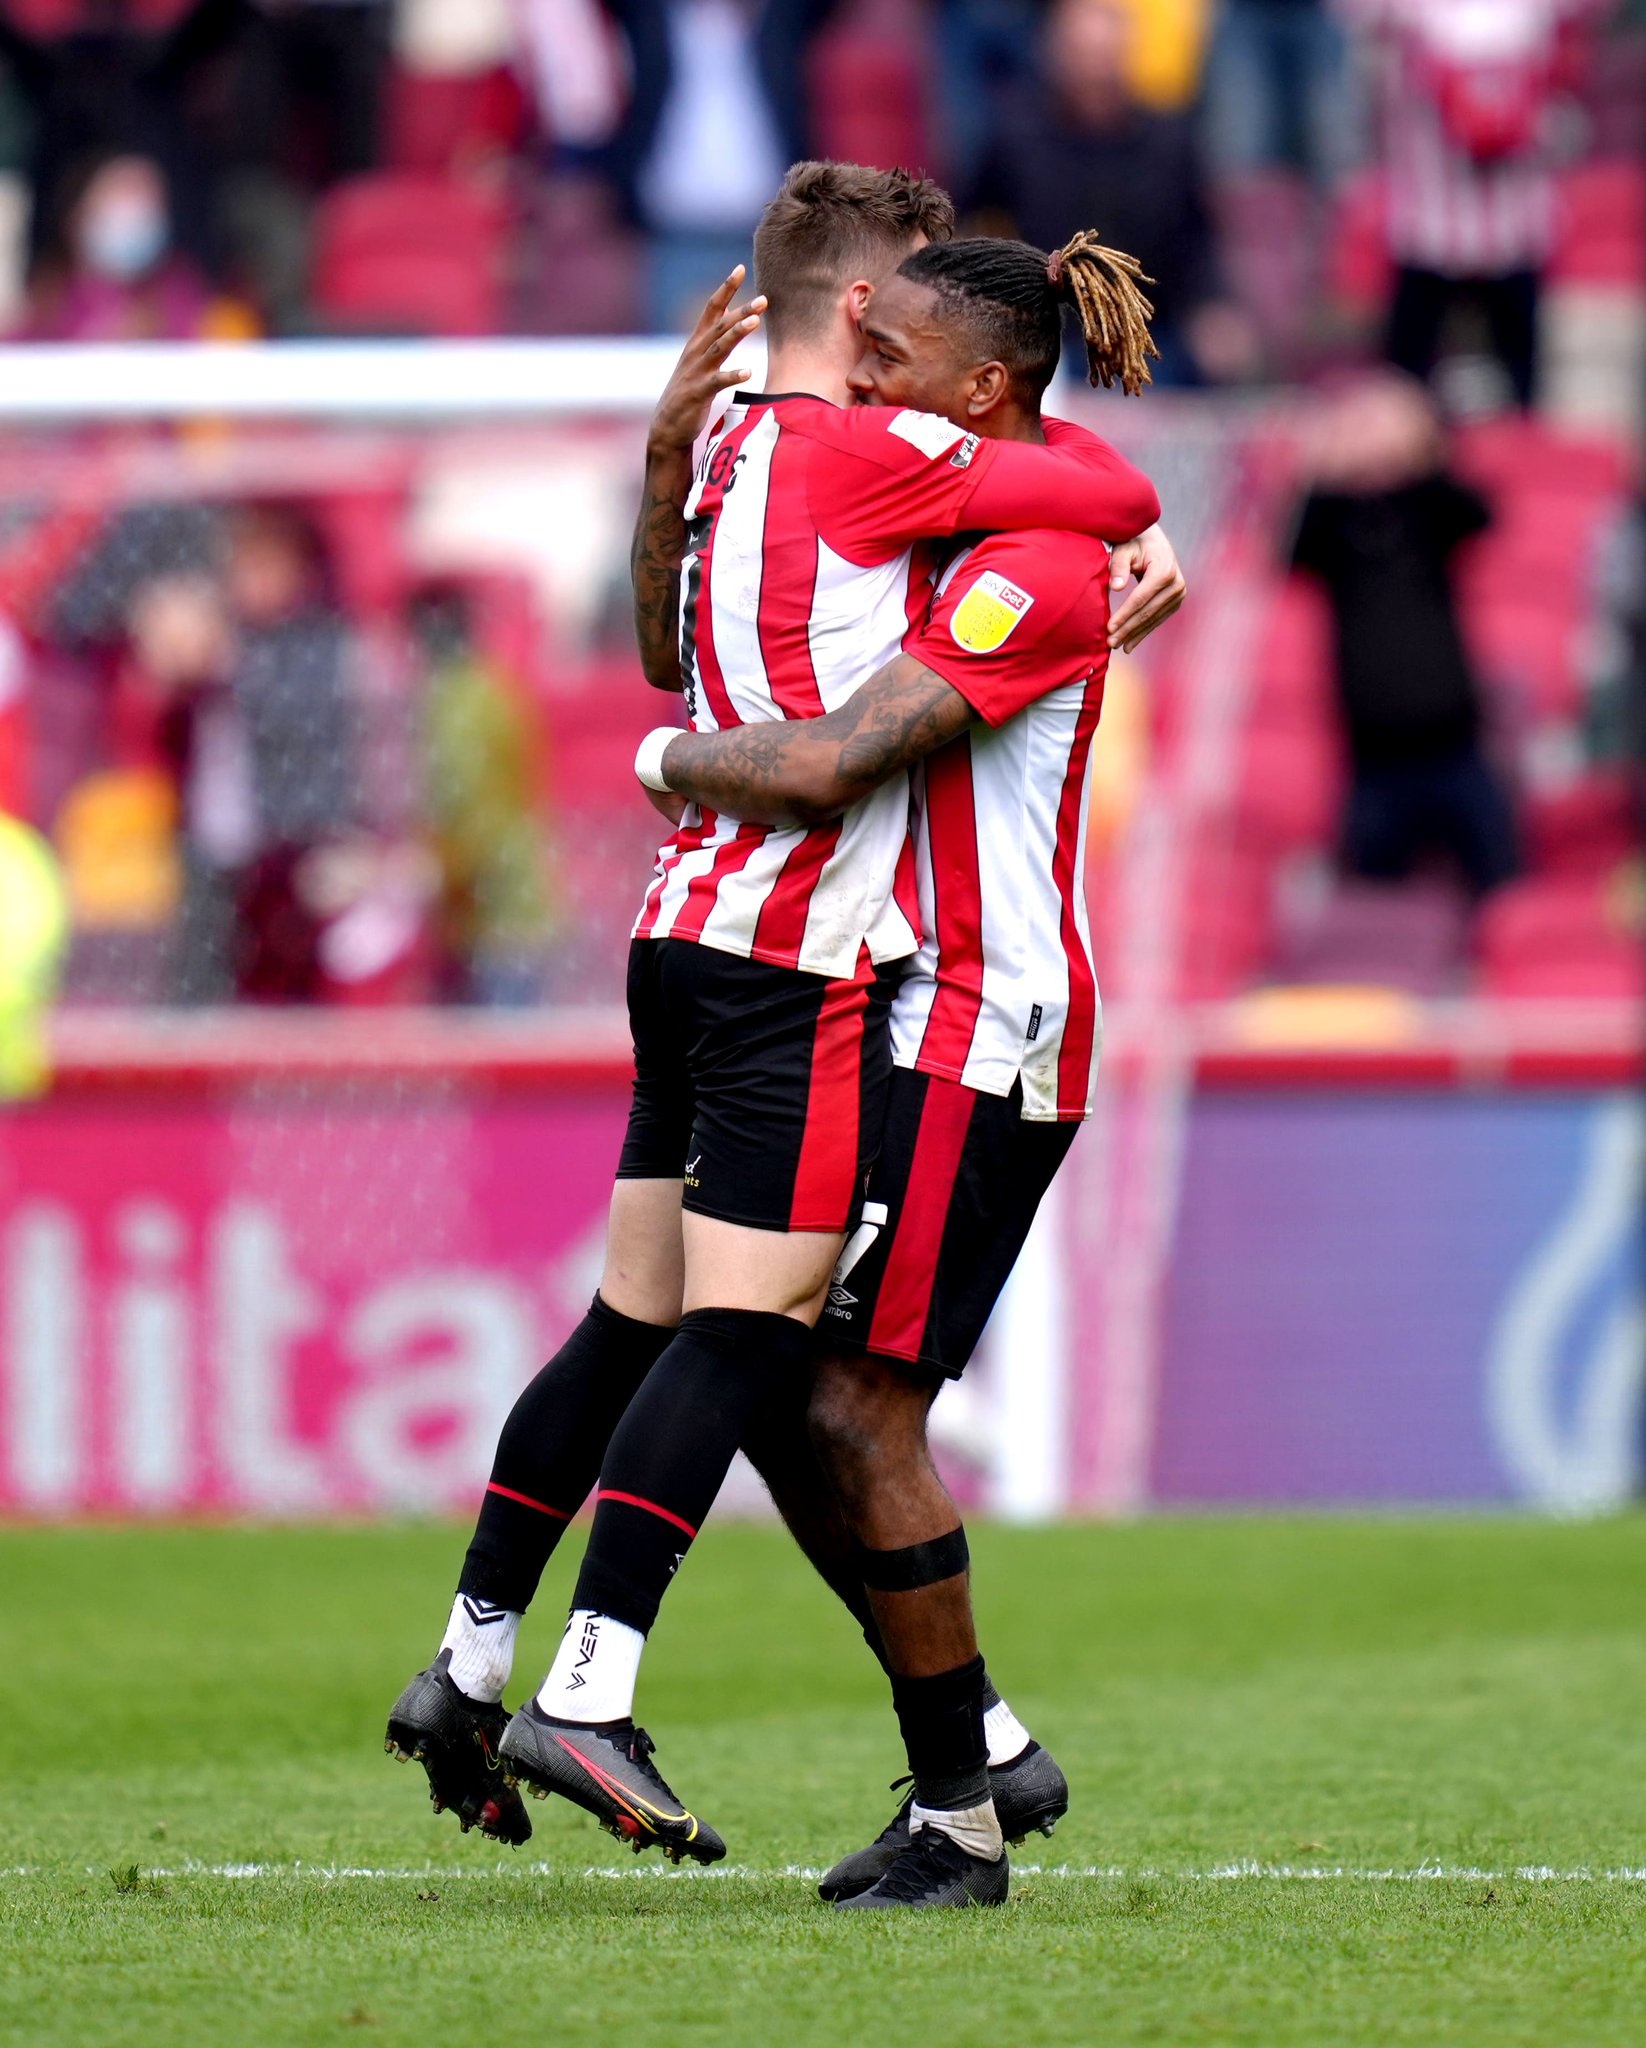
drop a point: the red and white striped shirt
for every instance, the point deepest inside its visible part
(1458, 210)
(1002, 988)
(803, 576)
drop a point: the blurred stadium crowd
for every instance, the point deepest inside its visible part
(286, 750)
(187, 167)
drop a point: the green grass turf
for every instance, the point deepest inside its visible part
(1370, 1695)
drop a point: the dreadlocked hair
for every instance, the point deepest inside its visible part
(1008, 297)
(1104, 287)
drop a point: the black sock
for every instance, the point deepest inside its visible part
(549, 1451)
(778, 1444)
(942, 1722)
(672, 1450)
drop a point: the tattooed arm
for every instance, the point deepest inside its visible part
(655, 556)
(659, 545)
(801, 771)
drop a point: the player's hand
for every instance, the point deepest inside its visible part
(700, 375)
(1160, 590)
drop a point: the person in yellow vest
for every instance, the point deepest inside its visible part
(34, 930)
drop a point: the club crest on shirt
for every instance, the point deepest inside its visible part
(987, 615)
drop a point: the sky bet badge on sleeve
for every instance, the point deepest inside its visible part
(987, 614)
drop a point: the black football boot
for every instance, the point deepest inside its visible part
(933, 1870)
(1030, 1794)
(607, 1770)
(455, 1739)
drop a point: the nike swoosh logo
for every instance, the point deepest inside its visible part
(631, 1802)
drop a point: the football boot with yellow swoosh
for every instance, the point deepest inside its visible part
(607, 1770)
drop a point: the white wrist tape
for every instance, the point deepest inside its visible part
(648, 760)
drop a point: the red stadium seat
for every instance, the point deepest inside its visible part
(1529, 651)
(1409, 937)
(1589, 829)
(437, 122)
(1603, 225)
(1613, 974)
(1292, 679)
(1228, 920)
(1543, 538)
(1358, 268)
(868, 86)
(62, 17)
(400, 251)
(1290, 787)
(1514, 451)
(1558, 935)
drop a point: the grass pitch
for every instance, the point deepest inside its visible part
(1361, 1701)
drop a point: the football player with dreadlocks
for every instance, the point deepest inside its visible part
(993, 703)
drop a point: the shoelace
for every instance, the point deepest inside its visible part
(641, 1751)
(931, 1855)
(898, 1824)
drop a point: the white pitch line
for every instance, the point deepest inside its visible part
(1291, 1873)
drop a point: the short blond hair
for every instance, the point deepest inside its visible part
(833, 223)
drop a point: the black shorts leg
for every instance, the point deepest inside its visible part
(787, 1075)
(655, 1146)
(951, 1199)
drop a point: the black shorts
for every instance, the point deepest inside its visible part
(959, 1178)
(763, 1088)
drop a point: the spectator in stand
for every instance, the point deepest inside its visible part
(1077, 147)
(294, 701)
(482, 754)
(310, 86)
(248, 673)
(109, 88)
(985, 52)
(1468, 94)
(1277, 89)
(116, 274)
(300, 108)
(571, 55)
(182, 645)
(1380, 528)
(717, 115)
(582, 267)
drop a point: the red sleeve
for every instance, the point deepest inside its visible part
(1024, 614)
(1078, 483)
(880, 479)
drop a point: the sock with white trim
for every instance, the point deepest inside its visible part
(593, 1675)
(480, 1636)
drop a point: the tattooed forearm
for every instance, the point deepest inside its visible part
(805, 770)
(658, 548)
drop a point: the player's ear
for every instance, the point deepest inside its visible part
(858, 296)
(990, 384)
